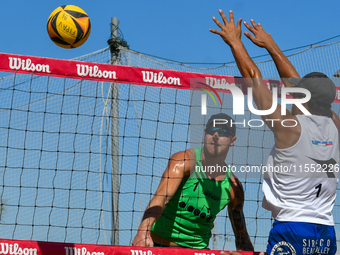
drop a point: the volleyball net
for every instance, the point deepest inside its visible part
(83, 144)
(26, 247)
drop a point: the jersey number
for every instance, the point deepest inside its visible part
(196, 184)
(319, 189)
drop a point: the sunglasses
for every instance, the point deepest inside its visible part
(221, 132)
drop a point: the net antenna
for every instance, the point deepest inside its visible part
(114, 49)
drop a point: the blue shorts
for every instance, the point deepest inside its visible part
(290, 238)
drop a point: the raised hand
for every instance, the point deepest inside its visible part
(229, 32)
(261, 38)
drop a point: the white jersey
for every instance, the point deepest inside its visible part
(300, 182)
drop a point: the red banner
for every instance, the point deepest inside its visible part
(121, 74)
(21, 247)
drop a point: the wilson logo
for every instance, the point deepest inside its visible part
(80, 251)
(219, 83)
(94, 71)
(15, 249)
(27, 65)
(154, 77)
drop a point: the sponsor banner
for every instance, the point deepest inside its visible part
(21, 247)
(122, 74)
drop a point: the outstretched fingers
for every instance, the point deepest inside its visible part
(218, 23)
(249, 36)
(253, 27)
(256, 26)
(249, 27)
(239, 23)
(230, 32)
(224, 18)
(259, 36)
(231, 16)
(215, 31)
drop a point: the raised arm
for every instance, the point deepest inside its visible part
(231, 34)
(235, 211)
(178, 168)
(263, 98)
(285, 68)
(264, 40)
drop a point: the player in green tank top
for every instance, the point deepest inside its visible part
(189, 196)
(188, 217)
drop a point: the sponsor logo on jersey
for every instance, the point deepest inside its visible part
(283, 248)
(325, 143)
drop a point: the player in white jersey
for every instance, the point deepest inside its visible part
(301, 178)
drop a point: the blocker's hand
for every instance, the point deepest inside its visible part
(229, 32)
(261, 38)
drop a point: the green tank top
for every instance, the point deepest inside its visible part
(189, 216)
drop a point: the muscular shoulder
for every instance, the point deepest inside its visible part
(287, 132)
(183, 161)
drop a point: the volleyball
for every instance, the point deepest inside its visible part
(68, 26)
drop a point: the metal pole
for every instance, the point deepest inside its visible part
(115, 141)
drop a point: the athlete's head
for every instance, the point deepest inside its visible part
(219, 135)
(322, 89)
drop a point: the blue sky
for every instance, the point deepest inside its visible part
(176, 30)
